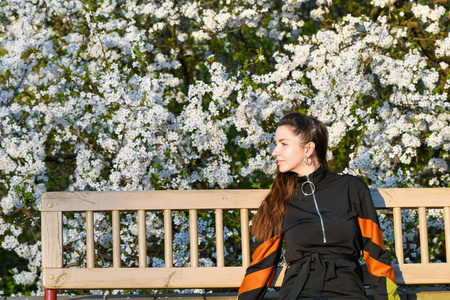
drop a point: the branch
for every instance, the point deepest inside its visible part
(435, 2)
(375, 12)
(84, 141)
(422, 38)
(90, 146)
(378, 44)
(18, 87)
(181, 57)
(428, 50)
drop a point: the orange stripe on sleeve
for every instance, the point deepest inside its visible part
(265, 249)
(370, 229)
(257, 280)
(378, 268)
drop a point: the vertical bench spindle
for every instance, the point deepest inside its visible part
(219, 238)
(142, 240)
(447, 232)
(193, 233)
(90, 254)
(116, 238)
(245, 234)
(168, 256)
(398, 232)
(423, 228)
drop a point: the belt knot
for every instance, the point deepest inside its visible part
(324, 269)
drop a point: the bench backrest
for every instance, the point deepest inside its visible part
(54, 204)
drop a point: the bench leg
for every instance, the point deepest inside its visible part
(50, 294)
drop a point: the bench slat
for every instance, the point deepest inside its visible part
(225, 277)
(421, 273)
(146, 278)
(410, 197)
(213, 199)
(153, 200)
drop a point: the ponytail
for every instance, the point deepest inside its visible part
(269, 218)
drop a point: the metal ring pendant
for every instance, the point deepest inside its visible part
(313, 188)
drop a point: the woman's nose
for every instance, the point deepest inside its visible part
(275, 151)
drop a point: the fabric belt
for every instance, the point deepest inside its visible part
(324, 269)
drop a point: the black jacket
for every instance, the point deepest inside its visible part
(325, 234)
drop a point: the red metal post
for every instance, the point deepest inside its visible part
(50, 294)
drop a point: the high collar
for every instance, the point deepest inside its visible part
(315, 176)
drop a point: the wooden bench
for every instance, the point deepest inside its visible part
(55, 204)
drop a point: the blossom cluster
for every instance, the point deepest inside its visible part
(144, 95)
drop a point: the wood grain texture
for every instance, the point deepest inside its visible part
(204, 277)
(432, 273)
(220, 255)
(223, 199)
(138, 278)
(168, 250)
(51, 238)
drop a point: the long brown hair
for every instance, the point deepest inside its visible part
(269, 217)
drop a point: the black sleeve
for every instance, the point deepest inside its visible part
(262, 270)
(382, 277)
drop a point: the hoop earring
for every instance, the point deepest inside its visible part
(306, 161)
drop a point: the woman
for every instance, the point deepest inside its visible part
(326, 220)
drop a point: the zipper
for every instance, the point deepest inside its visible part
(320, 215)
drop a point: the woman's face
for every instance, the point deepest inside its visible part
(290, 151)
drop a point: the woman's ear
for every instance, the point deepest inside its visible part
(310, 147)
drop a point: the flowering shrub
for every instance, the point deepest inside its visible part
(143, 95)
